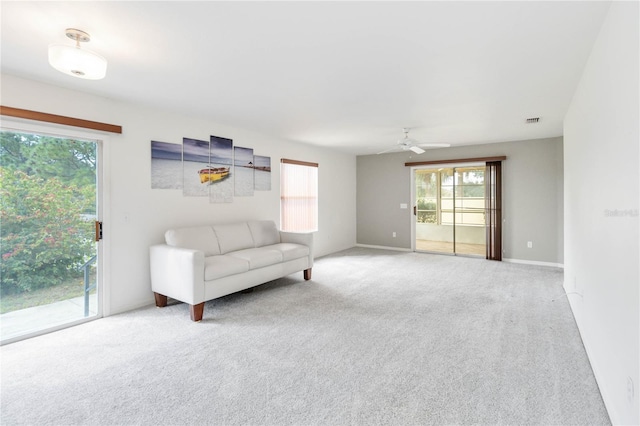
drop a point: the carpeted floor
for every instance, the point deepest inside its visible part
(376, 337)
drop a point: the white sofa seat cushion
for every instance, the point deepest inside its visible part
(258, 257)
(264, 232)
(222, 266)
(290, 251)
(195, 238)
(232, 237)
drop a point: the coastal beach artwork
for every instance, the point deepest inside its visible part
(221, 170)
(166, 165)
(214, 169)
(195, 156)
(243, 169)
(262, 173)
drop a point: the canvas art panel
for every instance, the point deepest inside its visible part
(243, 168)
(221, 170)
(195, 155)
(166, 165)
(262, 173)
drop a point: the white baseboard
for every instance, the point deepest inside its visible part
(534, 262)
(383, 247)
(132, 306)
(525, 262)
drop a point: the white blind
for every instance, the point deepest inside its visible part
(298, 196)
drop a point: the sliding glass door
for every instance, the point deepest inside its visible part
(450, 210)
(434, 210)
(48, 200)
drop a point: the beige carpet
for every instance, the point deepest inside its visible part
(377, 337)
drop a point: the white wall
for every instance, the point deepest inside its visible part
(601, 174)
(137, 216)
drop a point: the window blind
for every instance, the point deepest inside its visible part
(298, 196)
(493, 205)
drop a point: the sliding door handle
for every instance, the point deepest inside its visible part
(415, 210)
(98, 231)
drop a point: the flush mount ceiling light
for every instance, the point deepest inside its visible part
(73, 60)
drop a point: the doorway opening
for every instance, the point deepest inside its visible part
(50, 267)
(449, 210)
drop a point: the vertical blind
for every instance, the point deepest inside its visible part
(298, 196)
(493, 204)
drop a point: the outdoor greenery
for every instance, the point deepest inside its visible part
(64, 291)
(437, 185)
(47, 205)
(430, 215)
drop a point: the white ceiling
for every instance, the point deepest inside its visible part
(347, 75)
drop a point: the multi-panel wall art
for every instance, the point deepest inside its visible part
(213, 168)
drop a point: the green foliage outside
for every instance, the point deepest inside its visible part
(44, 296)
(427, 211)
(47, 205)
(434, 185)
(426, 204)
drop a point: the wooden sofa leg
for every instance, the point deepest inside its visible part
(307, 274)
(196, 311)
(161, 300)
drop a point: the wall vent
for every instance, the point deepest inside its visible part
(533, 120)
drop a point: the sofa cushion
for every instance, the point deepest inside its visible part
(232, 237)
(290, 251)
(264, 232)
(258, 257)
(223, 266)
(195, 238)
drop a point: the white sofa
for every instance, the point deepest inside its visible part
(206, 262)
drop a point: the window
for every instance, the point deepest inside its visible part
(298, 196)
(428, 195)
(438, 191)
(468, 184)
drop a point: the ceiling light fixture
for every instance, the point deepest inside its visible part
(73, 60)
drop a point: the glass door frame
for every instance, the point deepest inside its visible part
(414, 201)
(102, 200)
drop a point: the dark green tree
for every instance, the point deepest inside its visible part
(47, 202)
(45, 237)
(14, 148)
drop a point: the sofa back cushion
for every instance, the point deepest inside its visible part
(264, 232)
(195, 238)
(234, 236)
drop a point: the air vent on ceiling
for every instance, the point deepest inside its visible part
(533, 120)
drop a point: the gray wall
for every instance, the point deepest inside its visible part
(532, 195)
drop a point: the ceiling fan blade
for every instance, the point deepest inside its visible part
(435, 145)
(388, 150)
(417, 149)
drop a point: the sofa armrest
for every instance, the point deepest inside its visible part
(303, 238)
(178, 273)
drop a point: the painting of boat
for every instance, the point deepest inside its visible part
(213, 174)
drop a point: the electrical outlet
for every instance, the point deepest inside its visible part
(529, 244)
(394, 235)
(630, 389)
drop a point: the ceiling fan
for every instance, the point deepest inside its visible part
(408, 144)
